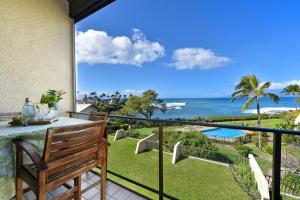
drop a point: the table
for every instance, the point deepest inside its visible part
(33, 134)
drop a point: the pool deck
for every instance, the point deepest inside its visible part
(205, 128)
(195, 128)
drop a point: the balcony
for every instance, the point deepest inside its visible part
(143, 164)
(115, 191)
(197, 173)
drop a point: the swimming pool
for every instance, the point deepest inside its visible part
(223, 132)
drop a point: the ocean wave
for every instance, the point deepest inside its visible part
(269, 110)
(175, 105)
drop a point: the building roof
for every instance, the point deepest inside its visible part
(80, 107)
(79, 9)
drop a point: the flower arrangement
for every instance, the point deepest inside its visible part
(52, 97)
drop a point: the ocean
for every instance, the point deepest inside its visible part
(208, 107)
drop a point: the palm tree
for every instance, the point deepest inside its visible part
(250, 87)
(102, 95)
(293, 90)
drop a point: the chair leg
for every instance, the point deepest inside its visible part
(77, 183)
(41, 195)
(19, 181)
(19, 188)
(103, 179)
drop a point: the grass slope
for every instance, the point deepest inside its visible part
(188, 179)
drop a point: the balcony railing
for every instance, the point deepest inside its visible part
(276, 164)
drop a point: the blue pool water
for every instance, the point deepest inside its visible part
(223, 132)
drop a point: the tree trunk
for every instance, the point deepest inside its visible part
(258, 124)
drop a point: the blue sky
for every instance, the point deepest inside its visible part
(195, 48)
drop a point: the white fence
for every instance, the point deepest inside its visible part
(261, 181)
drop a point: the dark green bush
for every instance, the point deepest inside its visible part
(243, 149)
(133, 133)
(116, 125)
(196, 139)
(189, 139)
(125, 126)
(268, 149)
(290, 183)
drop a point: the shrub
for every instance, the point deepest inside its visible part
(264, 140)
(125, 126)
(290, 183)
(243, 149)
(114, 125)
(171, 137)
(189, 139)
(196, 139)
(132, 133)
(268, 149)
(247, 181)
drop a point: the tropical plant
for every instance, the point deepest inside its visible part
(246, 178)
(250, 87)
(141, 104)
(102, 95)
(294, 90)
(110, 107)
(51, 97)
(243, 149)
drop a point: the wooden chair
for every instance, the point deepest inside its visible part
(98, 116)
(69, 151)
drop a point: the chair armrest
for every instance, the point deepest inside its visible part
(104, 143)
(32, 153)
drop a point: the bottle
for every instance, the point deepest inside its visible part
(28, 109)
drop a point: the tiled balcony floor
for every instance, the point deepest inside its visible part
(114, 191)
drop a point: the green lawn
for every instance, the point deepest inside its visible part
(188, 179)
(226, 149)
(148, 131)
(263, 159)
(266, 123)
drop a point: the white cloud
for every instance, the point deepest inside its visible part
(98, 47)
(191, 58)
(281, 85)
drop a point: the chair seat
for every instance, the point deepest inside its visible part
(33, 171)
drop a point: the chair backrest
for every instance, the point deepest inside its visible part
(72, 148)
(97, 116)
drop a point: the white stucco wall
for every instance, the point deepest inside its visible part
(260, 179)
(36, 52)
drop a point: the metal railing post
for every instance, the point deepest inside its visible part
(160, 161)
(276, 166)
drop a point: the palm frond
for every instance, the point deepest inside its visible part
(248, 103)
(292, 89)
(239, 94)
(272, 96)
(262, 88)
(245, 87)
